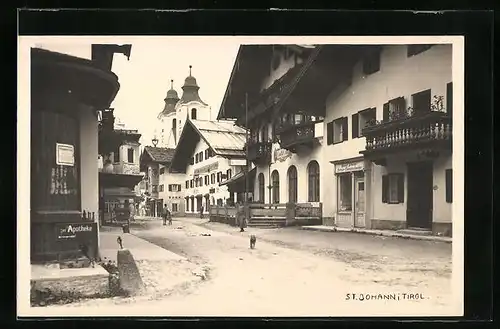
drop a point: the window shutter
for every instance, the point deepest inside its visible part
(355, 125)
(385, 188)
(449, 98)
(449, 185)
(344, 129)
(329, 133)
(401, 188)
(385, 112)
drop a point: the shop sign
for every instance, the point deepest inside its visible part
(207, 168)
(71, 231)
(281, 155)
(349, 167)
(65, 155)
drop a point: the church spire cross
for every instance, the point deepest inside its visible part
(172, 84)
(190, 67)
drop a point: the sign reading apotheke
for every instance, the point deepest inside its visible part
(71, 231)
(349, 167)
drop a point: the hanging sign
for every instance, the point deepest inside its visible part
(65, 155)
(349, 167)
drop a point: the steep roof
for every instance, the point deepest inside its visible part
(159, 154)
(223, 137)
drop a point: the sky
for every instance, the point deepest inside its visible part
(145, 78)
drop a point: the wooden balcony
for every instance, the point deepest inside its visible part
(430, 131)
(293, 136)
(259, 152)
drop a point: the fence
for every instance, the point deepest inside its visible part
(289, 214)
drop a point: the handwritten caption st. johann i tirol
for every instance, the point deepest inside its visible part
(392, 296)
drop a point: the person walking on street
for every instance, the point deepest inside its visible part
(240, 213)
(201, 212)
(165, 214)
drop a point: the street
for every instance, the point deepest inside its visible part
(294, 272)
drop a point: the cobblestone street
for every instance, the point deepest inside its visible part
(297, 273)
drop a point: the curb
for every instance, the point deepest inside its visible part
(386, 234)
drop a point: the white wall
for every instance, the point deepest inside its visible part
(285, 65)
(399, 75)
(88, 159)
(184, 111)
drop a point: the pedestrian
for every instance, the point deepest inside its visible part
(240, 213)
(131, 209)
(201, 212)
(165, 214)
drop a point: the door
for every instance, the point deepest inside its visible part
(419, 205)
(359, 202)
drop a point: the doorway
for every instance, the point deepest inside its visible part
(359, 202)
(419, 205)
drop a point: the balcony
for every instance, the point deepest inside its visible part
(293, 136)
(431, 131)
(259, 152)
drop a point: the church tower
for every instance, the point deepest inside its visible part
(191, 105)
(168, 119)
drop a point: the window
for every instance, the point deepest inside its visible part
(116, 155)
(371, 61)
(340, 130)
(228, 173)
(192, 161)
(393, 188)
(162, 170)
(413, 50)
(191, 183)
(161, 188)
(187, 184)
(394, 109)
(201, 156)
(155, 188)
(449, 98)
(449, 185)
(361, 119)
(130, 155)
(421, 102)
(329, 133)
(207, 180)
(264, 135)
(206, 154)
(154, 172)
(262, 188)
(196, 182)
(275, 178)
(175, 207)
(212, 178)
(200, 179)
(345, 192)
(193, 113)
(174, 187)
(219, 177)
(292, 184)
(174, 124)
(196, 158)
(313, 181)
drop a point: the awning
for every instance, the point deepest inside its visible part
(238, 180)
(118, 180)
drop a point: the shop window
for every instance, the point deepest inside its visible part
(413, 50)
(339, 130)
(393, 188)
(421, 102)
(175, 207)
(371, 62)
(262, 188)
(345, 192)
(130, 155)
(449, 185)
(275, 178)
(313, 181)
(361, 119)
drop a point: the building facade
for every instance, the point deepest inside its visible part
(364, 130)
(208, 153)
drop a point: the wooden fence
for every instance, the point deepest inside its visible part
(290, 213)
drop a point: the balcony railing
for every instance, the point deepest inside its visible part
(431, 129)
(293, 135)
(259, 152)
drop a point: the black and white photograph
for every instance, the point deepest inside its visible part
(245, 176)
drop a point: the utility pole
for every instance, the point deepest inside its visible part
(246, 149)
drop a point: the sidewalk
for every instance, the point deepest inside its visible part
(141, 249)
(387, 233)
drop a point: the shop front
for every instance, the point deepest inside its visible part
(351, 206)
